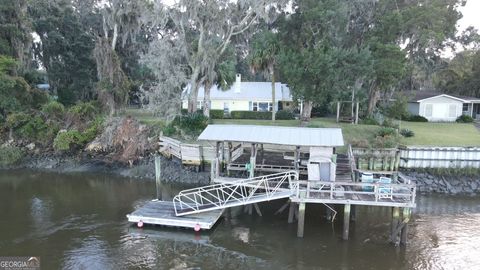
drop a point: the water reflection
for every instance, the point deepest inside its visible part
(78, 222)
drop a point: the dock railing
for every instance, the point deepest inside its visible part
(351, 161)
(242, 192)
(356, 193)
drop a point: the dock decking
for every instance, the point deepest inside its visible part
(163, 213)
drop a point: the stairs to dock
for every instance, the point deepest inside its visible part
(243, 192)
(343, 170)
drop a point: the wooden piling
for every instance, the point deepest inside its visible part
(291, 212)
(301, 219)
(158, 176)
(346, 221)
(353, 213)
(404, 232)
(395, 223)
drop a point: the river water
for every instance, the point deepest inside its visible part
(77, 221)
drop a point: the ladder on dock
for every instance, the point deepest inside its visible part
(243, 192)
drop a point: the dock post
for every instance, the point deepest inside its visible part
(301, 219)
(291, 212)
(346, 221)
(404, 232)
(395, 223)
(301, 215)
(158, 173)
(353, 213)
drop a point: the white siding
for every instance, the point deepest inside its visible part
(440, 109)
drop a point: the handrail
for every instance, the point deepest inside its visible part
(404, 193)
(351, 160)
(242, 192)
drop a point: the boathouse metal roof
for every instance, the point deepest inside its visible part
(298, 136)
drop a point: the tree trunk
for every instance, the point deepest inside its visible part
(307, 111)
(206, 99)
(193, 95)
(274, 107)
(372, 101)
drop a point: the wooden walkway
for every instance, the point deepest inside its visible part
(163, 213)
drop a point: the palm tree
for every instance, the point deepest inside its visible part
(265, 48)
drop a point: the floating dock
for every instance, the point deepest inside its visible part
(163, 213)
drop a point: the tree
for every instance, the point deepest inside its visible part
(461, 74)
(120, 19)
(222, 75)
(14, 91)
(263, 55)
(318, 58)
(194, 26)
(65, 49)
(15, 38)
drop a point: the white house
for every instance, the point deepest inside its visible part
(244, 96)
(438, 107)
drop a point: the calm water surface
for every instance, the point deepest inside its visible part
(78, 222)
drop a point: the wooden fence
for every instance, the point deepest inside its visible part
(194, 154)
(439, 157)
(376, 159)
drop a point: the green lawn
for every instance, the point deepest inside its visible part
(350, 132)
(442, 134)
(430, 134)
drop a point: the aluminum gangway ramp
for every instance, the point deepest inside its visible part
(242, 192)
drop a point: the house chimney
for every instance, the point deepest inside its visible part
(238, 83)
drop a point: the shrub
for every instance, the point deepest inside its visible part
(361, 143)
(64, 141)
(385, 142)
(386, 132)
(369, 121)
(16, 120)
(315, 125)
(169, 130)
(84, 110)
(54, 109)
(91, 132)
(389, 123)
(464, 119)
(10, 155)
(185, 111)
(39, 98)
(407, 133)
(251, 115)
(417, 118)
(284, 115)
(216, 114)
(191, 123)
(34, 129)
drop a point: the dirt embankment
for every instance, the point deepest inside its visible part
(125, 147)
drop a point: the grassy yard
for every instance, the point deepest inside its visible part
(442, 134)
(429, 134)
(350, 132)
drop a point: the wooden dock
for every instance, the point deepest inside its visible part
(163, 213)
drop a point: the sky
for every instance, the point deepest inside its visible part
(470, 14)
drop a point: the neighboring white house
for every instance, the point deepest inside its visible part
(244, 96)
(438, 107)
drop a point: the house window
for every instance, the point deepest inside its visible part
(260, 106)
(465, 107)
(428, 110)
(254, 106)
(199, 104)
(452, 110)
